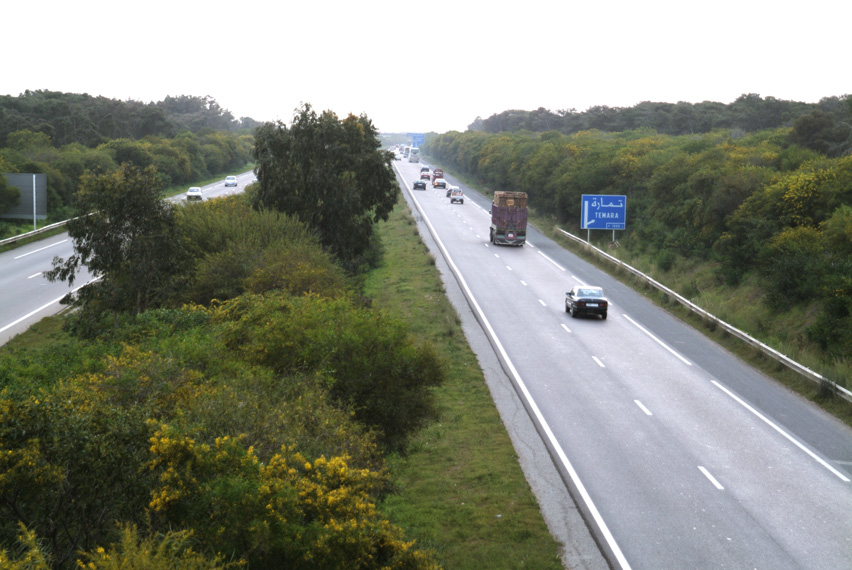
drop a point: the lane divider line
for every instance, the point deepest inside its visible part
(658, 341)
(533, 408)
(711, 478)
(777, 428)
(643, 408)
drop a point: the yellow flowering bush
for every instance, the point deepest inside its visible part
(170, 551)
(287, 513)
(70, 462)
(32, 556)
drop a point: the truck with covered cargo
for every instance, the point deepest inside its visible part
(509, 218)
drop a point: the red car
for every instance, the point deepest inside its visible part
(424, 176)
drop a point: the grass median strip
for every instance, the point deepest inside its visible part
(461, 489)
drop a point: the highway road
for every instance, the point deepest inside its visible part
(27, 297)
(679, 454)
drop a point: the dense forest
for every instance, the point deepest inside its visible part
(63, 135)
(747, 114)
(223, 396)
(81, 118)
(770, 204)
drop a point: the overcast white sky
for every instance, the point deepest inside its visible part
(430, 65)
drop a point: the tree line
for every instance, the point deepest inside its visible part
(774, 204)
(63, 135)
(225, 396)
(180, 160)
(93, 120)
(748, 113)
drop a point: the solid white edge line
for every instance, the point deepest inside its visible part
(658, 341)
(575, 478)
(711, 478)
(43, 307)
(777, 428)
(28, 315)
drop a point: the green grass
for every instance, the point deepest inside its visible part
(461, 489)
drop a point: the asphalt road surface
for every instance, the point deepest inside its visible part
(27, 297)
(678, 454)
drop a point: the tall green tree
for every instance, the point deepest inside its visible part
(329, 173)
(127, 236)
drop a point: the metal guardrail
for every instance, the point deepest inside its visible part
(47, 228)
(745, 337)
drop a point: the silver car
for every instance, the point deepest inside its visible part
(230, 181)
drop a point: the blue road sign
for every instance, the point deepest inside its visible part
(417, 139)
(603, 212)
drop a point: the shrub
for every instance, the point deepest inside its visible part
(372, 363)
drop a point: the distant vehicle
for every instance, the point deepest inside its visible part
(414, 155)
(406, 151)
(586, 300)
(230, 181)
(425, 175)
(424, 168)
(419, 185)
(439, 183)
(437, 173)
(456, 195)
(509, 218)
(397, 156)
(194, 193)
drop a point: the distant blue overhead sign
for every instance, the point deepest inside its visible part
(417, 139)
(603, 212)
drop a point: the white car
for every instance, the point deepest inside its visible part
(194, 193)
(230, 181)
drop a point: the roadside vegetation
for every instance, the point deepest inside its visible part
(228, 394)
(753, 226)
(460, 489)
(63, 135)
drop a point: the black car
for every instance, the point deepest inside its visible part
(419, 185)
(586, 300)
(439, 183)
